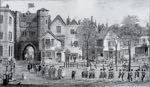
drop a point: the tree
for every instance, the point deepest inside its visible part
(130, 32)
(130, 20)
(115, 39)
(86, 34)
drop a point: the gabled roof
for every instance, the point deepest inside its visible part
(48, 31)
(103, 33)
(73, 22)
(58, 17)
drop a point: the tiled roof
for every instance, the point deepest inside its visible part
(58, 17)
(48, 31)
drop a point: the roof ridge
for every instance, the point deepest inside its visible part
(58, 17)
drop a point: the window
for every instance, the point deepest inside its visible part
(101, 54)
(76, 43)
(43, 43)
(1, 35)
(126, 52)
(125, 43)
(1, 19)
(10, 20)
(71, 43)
(93, 51)
(1, 50)
(47, 43)
(143, 41)
(10, 36)
(31, 33)
(52, 40)
(72, 31)
(58, 28)
(46, 21)
(53, 54)
(9, 50)
(43, 54)
(48, 54)
(100, 42)
(109, 43)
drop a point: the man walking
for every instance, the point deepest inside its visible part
(73, 75)
(59, 73)
(143, 74)
(122, 74)
(130, 75)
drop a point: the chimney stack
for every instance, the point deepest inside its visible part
(91, 18)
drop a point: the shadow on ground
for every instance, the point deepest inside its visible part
(56, 85)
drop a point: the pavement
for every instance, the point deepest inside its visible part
(35, 80)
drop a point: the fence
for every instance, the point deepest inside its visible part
(84, 64)
(74, 64)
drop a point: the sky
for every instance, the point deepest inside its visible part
(103, 11)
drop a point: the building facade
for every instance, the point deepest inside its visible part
(108, 46)
(72, 43)
(6, 33)
(50, 48)
(66, 32)
(24, 30)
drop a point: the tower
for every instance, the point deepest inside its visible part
(43, 21)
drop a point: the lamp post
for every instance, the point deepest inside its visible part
(87, 45)
(149, 51)
(149, 41)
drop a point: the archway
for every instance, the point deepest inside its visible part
(28, 52)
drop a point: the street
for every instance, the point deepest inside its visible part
(74, 43)
(34, 80)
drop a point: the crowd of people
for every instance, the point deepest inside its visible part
(53, 72)
(9, 72)
(123, 74)
(49, 71)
